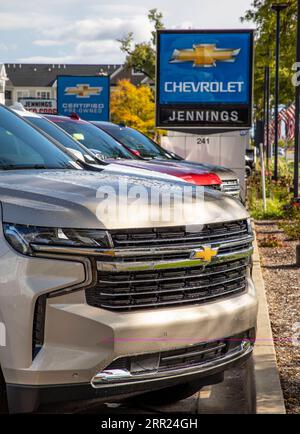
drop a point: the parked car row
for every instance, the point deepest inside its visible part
(126, 146)
(98, 298)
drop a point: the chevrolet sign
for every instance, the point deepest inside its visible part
(204, 79)
(205, 55)
(83, 91)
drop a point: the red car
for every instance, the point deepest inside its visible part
(104, 146)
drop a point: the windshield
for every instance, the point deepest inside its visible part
(58, 134)
(136, 141)
(23, 147)
(95, 139)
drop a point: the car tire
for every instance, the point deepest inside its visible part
(170, 395)
(3, 396)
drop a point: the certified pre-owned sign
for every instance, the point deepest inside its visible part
(87, 96)
(204, 79)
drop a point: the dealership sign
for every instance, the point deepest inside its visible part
(39, 105)
(87, 96)
(204, 79)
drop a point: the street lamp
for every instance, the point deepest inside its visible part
(277, 7)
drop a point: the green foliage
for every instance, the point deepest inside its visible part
(292, 229)
(142, 56)
(291, 222)
(265, 20)
(277, 193)
(133, 106)
(274, 211)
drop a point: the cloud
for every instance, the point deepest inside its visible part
(99, 28)
(99, 52)
(62, 31)
(47, 59)
(27, 20)
(47, 42)
(7, 47)
(89, 40)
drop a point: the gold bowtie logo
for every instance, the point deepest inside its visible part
(206, 55)
(206, 253)
(83, 91)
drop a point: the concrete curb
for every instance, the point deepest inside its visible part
(269, 396)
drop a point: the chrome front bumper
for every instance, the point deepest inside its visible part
(115, 377)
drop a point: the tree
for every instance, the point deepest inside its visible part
(141, 56)
(133, 106)
(265, 19)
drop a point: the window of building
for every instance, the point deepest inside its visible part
(135, 72)
(8, 94)
(43, 94)
(22, 94)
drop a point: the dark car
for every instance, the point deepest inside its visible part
(141, 145)
(105, 146)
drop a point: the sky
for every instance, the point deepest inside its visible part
(86, 31)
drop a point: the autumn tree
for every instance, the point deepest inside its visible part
(141, 56)
(262, 15)
(133, 106)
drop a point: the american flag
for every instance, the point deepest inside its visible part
(290, 113)
(286, 115)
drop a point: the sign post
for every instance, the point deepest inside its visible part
(204, 79)
(87, 96)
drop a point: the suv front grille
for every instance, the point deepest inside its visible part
(136, 290)
(179, 235)
(231, 186)
(154, 268)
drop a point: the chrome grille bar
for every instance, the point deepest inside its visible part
(163, 291)
(185, 239)
(177, 302)
(164, 279)
(167, 264)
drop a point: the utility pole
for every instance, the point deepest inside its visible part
(277, 7)
(297, 113)
(267, 113)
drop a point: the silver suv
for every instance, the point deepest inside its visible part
(99, 302)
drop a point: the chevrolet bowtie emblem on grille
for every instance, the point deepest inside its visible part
(206, 55)
(206, 253)
(83, 91)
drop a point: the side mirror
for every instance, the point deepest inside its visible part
(98, 154)
(77, 154)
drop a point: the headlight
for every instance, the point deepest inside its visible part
(30, 239)
(249, 226)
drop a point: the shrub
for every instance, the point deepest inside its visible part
(270, 241)
(292, 229)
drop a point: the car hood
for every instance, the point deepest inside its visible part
(97, 200)
(223, 172)
(189, 173)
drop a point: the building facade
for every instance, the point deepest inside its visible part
(39, 80)
(3, 80)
